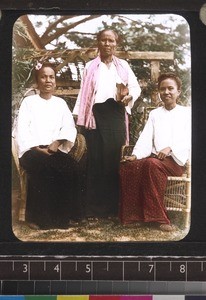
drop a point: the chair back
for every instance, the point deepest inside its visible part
(79, 148)
(15, 154)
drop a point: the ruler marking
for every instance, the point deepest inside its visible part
(29, 270)
(92, 270)
(183, 267)
(96, 287)
(154, 271)
(17, 289)
(60, 275)
(139, 266)
(123, 270)
(107, 266)
(66, 285)
(50, 287)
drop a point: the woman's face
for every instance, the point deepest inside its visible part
(107, 43)
(169, 93)
(46, 80)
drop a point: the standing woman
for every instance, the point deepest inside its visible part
(45, 134)
(161, 150)
(102, 110)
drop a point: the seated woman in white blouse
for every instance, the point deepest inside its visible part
(161, 150)
(45, 134)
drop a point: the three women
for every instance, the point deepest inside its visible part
(46, 133)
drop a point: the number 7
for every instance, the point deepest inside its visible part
(151, 267)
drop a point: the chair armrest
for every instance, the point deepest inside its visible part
(79, 147)
(188, 169)
(15, 154)
(126, 150)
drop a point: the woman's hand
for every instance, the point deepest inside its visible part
(42, 150)
(126, 100)
(53, 147)
(163, 153)
(50, 149)
(129, 158)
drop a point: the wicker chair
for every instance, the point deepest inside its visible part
(77, 152)
(178, 191)
(23, 182)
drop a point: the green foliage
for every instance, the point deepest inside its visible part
(21, 67)
(168, 33)
(21, 75)
(152, 33)
(83, 40)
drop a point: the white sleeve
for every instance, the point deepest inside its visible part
(68, 130)
(133, 86)
(143, 147)
(181, 147)
(25, 139)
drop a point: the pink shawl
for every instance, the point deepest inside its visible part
(85, 116)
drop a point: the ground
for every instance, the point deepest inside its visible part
(102, 230)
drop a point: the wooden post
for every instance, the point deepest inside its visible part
(155, 69)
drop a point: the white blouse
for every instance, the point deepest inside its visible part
(166, 128)
(41, 121)
(106, 85)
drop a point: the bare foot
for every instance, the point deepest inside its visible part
(167, 227)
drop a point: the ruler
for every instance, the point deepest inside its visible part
(82, 274)
(106, 268)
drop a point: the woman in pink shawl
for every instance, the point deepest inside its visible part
(108, 91)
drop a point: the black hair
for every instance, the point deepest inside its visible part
(170, 76)
(99, 34)
(43, 65)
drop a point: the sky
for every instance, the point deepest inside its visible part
(92, 25)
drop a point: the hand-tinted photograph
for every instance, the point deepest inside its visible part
(101, 128)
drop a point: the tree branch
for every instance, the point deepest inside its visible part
(54, 25)
(60, 31)
(33, 36)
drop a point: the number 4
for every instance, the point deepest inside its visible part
(56, 268)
